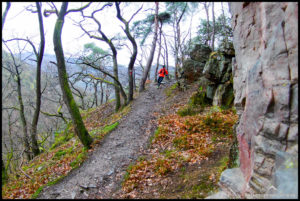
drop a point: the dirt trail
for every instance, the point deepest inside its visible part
(102, 173)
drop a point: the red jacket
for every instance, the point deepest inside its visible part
(162, 72)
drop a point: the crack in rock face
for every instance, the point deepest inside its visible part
(265, 38)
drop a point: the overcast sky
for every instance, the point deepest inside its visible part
(22, 23)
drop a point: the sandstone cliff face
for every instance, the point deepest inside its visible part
(265, 85)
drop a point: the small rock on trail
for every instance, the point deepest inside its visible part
(102, 173)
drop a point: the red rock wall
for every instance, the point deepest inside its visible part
(266, 86)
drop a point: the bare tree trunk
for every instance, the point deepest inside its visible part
(179, 46)
(35, 147)
(176, 48)
(106, 95)
(21, 109)
(134, 83)
(23, 119)
(207, 24)
(134, 45)
(115, 63)
(224, 24)
(10, 151)
(150, 58)
(80, 129)
(213, 28)
(101, 88)
(5, 13)
(167, 57)
(96, 92)
(116, 74)
(178, 40)
(159, 51)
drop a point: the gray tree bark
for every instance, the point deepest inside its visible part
(5, 13)
(80, 129)
(35, 147)
(213, 27)
(150, 59)
(133, 56)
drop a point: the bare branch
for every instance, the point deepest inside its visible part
(27, 40)
(11, 54)
(47, 13)
(135, 13)
(54, 7)
(119, 16)
(8, 69)
(103, 80)
(52, 62)
(91, 36)
(182, 13)
(21, 165)
(127, 47)
(30, 8)
(10, 108)
(44, 88)
(79, 9)
(108, 4)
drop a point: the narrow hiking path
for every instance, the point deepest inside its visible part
(103, 171)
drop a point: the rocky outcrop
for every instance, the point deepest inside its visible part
(218, 69)
(213, 71)
(265, 77)
(192, 68)
(200, 53)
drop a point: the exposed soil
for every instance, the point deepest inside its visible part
(191, 181)
(101, 175)
(103, 171)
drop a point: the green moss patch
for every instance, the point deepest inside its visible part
(170, 91)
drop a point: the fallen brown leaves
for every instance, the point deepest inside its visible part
(50, 166)
(43, 169)
(178, 141)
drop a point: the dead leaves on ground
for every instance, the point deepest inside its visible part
(177, 142)
(43, 169)
(50, 166)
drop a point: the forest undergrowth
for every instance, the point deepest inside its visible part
(185, 157)
(65, 154)
(186, 154)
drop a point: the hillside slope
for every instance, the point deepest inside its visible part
(104, 169)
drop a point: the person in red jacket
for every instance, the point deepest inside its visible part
(162, 72)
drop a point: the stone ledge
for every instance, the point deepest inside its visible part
(218, 195)
(232, 182)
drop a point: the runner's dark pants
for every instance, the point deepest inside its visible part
(160, 79)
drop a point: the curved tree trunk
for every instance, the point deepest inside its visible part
(115, 63)
(5, 13)
(133, 56)
(80, 129)
(150, 59)
(116, 74)
(131, 65)
(35, 147)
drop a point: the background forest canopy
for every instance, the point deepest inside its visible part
(106, 46)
